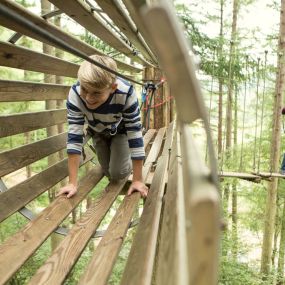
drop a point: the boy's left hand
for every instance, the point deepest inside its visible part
(138, 186)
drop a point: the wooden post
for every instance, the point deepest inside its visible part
(148, 75)
(160, 114)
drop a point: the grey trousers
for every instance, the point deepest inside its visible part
(113, 154)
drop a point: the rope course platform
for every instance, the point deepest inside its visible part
(171, 245)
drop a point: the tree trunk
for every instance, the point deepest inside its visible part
(234, 188)
(280, 270)
(270, 211)
(221, 82)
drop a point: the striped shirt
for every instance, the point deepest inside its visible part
(122, 105)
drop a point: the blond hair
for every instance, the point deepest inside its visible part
(91, 75)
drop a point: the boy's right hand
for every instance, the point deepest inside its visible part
(69, 189)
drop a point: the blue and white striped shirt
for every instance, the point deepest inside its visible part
(122, 105)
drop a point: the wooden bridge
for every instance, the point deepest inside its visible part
(177, 238)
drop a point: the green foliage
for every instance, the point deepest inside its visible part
(237, 273)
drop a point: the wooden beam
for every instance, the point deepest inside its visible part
(25, 122)
(246, 176)
(202, 202)
(23, 58)
(101, 264)
(139, 267)
(39, 21)
(148, 136)
(171, 260)
(120, 17)
(17, 158)
(83, 14)
(19, 195)
(19, 91)
(174, 56)
(134, 8)
(28, 239)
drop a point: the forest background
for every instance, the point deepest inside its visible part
(236, 45)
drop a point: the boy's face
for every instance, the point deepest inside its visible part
(93, 97)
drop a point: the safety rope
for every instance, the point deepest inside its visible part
(10, 14)
(262, 109)
(149, 90)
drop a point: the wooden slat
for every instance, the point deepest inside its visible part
(202, 202)
(245, 176)
(148, 136)
(19, 91)
(27, 240)
(154, 152)
(57, 267)
(23, 58)
(171, 263)
(133, 8)
(120, 17)
(25, 122)
(39, 21)
(103, 260)
(173, 54)
(139, 267)
(83, 14)
(66, 254)
(17, 158)
(19, 195)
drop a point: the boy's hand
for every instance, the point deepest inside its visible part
(69, 189)
(138, 186)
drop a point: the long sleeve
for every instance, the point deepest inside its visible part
(132, 120)
(76, 120)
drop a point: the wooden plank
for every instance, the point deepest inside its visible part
(102, 262)
(173, 54)
(68, 251)
(57, 32)
(154, 152)
(19, 91)
(140, 262)
(202, 202)
(17, 158)
(25, 122)
(83, 14)
(133, 8)
(269, 175)
(27, 240)
(18, 196)
(245, 176)
(148, 136)
(57, 267)
(24, 58)
(170, 263)
(120, 17)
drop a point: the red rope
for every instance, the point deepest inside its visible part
(158, 104)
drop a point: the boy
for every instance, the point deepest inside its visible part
(110, 107)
